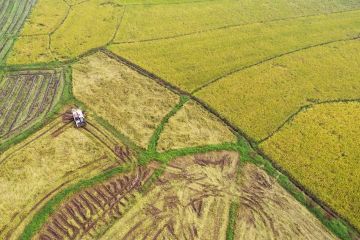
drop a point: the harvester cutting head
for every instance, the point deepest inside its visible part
(78, 117)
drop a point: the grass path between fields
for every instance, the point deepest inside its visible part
(247, 155)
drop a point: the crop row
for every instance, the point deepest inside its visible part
(12, 17)
(93, 207)
(25, 97)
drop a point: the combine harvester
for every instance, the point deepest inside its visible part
(78, 117)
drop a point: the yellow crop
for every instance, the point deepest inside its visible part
(45, 17)
(191, 61)
(321, 149)
(166, 20)
(258, 100)
(132, 103)
(42, 165)
(193, 126)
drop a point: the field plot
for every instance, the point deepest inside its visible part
(85, 214)
(149, 22)
(198, 211)
(26, 97)
(193, 126)
(12, 16)
(131, 102)
(259, 99)
(267, 211)
(191, 61)
(31, 172)
(320, 148)
(69, 28)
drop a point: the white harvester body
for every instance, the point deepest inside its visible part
(78, 116)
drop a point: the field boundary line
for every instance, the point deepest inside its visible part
(353, 38)
(237, 131)
(234, 26)
(304, 108)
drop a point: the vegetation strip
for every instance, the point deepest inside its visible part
(42, 215)
(155, 137)
(232, 220)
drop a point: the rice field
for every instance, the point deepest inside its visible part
(320, 148)
(12, 16)
(271, 92)
(205, 119)
(33, 171)
(192, 61)
(133, 103)
(193, 126)
(26, 97)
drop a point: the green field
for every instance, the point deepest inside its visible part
(205, 119)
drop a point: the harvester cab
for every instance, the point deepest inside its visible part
(78, 116)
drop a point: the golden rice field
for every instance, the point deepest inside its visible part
(205, 119)
(193, 60)
(271, 92)
(320, 148)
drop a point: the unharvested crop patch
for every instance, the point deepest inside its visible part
(261, 98)
(34, 170)
(320, 147)
(192, 61)
(12, 16)
(26, 97)
(131, 102)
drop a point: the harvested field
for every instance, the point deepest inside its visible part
(193, 126)
(273, 91)
(12, 16)
(267, 211)
(191, 200)
(198, 211)
(131, 102)
(85, 214)
(320, 148)
(26, 97)
(33, 171)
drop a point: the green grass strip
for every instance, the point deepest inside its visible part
(42, 215)
(230, 230)
(156, 135)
